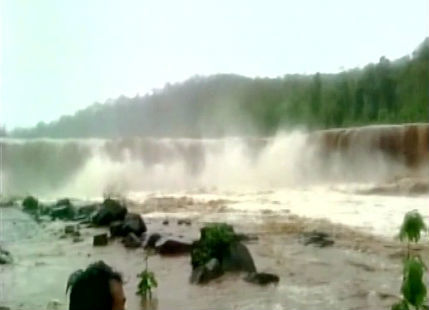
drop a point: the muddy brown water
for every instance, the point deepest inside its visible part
(359, 272)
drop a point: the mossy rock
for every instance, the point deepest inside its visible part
(215, 242)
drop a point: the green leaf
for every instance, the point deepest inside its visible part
(413, 287)
(412, 226)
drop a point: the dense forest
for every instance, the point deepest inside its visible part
(384, 92)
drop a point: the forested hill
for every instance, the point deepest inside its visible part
(385, 92)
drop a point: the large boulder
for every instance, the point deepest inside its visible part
(116, 229)
(209, 271)
(64, 212)
(110, 211)
(173, 247)
(134, 223)
(238, 258)
(214, 242)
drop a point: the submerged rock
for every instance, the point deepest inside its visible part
(174, 247)
(262, 278)
(5, 257)
(71, 229)
(203, 274)
(317, 238)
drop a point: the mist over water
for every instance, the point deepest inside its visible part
(87, 168)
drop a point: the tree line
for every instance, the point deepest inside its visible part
(384, 92)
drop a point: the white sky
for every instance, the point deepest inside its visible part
(60, 56)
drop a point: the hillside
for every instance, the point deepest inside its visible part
(385, 92)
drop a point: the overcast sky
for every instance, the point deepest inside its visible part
(60, 56)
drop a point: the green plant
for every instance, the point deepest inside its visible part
(215, 240)
(147, 281)
(413, 288)
(412, 226)
(30, 204)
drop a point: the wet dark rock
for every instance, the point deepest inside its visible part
(317, 238)
(30, 204)
(132, 241)
(66, 213)
(100, 240)
(77, 239)
(152, 240)
(262, 278)
(5, 257)
(87, 211)
(134, 223)
(110, 211)
(184, 222)
(203, 274)
(173, 247)
(116, 229)
(238, 258)
(71, 229)
(63, 202)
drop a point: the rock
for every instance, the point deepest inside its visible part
(100, 240)
(71, 229)
(203, 274)
(77, 239)
(262, 278)
(4, 308)
(134, 223)
(319, 239)
(66, 213)
(111, 210)
(238, 258)
(184, 222)
(152, 240)
(116, 229)
(30, 204)
(173, 247)
(87, 211)
(132, 241)
(63, 202)
(5, 257)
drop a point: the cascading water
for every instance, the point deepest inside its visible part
(91, 167)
